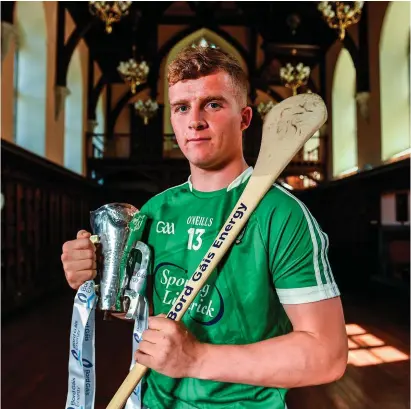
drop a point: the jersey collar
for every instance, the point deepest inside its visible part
(235, 183)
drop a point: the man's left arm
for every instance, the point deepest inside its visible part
(314, 353)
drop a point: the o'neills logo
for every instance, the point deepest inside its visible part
(178, 306)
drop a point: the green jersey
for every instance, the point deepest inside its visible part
(280, 257)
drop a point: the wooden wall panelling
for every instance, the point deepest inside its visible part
(348, 211)
(45, 205)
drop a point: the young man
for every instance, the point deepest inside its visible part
(270, 316)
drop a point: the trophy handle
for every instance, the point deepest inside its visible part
(134, 294)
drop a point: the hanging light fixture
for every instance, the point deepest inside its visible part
(109, 11)
(146, 109)
(203, 42)
(340, 15)
(132, 72)
(295, 76)
(263, 108)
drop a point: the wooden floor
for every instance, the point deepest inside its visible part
(35, 355)
(370, 382)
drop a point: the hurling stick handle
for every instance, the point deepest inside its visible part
(255, 190)
(127, 387)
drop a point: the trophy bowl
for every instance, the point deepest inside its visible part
(111, 224)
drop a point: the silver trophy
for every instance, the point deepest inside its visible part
(123, 273)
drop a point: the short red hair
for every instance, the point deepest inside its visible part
(192, 63)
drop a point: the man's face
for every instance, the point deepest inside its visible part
(208, 120)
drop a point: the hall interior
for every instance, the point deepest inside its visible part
(77, 134)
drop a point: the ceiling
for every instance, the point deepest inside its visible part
(274, 21)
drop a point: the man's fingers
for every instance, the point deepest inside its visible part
(79, 266)
(83, 234)
(80, 278)
(94, 272)
(79, 260)
(147, 348)
(160, 322)
(78, 244)
(83, 255)
(144, 359)
(152, 335)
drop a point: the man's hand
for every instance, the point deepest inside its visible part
(169, 348)
(79, 260)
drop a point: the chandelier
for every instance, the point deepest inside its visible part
(133, 73)
(203, 43)
(295, 76)
(146, 109)
(263, 108)
(109, 11)
(340, 15)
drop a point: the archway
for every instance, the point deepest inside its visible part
(100, 137)
(73, 122)
(30, 77)
(344, 116)
(395, 80)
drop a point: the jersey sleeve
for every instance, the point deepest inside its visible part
(298, 255)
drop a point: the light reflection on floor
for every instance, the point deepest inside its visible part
(366, 349)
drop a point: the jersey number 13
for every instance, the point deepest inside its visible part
(194, 238)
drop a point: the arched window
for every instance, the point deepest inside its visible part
(344, 116)
(99, 138)
(202, 37)
(311, 148)
(30, 77)
(73, 122)
(395, 80)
